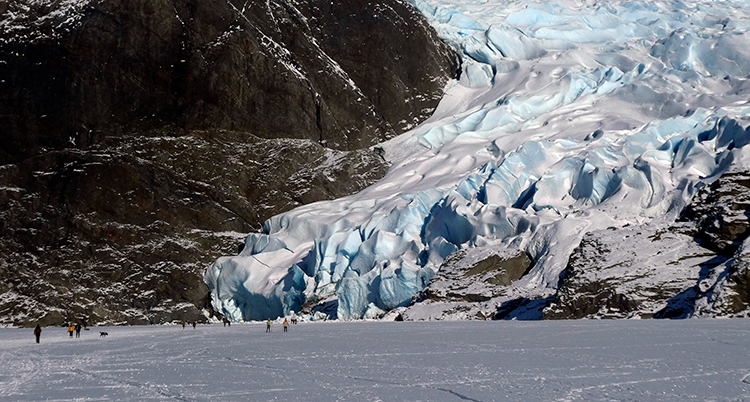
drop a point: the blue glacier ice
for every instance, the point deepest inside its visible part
(567, 117)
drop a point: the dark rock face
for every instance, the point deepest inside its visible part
(734, 297)
(464, 280)
(722, 217)
(346, 75)
(142, 138)
(696, 266)
(468, 285)
(720, 212)
(627, 272)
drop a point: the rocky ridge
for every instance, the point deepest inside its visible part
(705, 274)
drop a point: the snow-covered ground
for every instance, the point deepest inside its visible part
(633, 360)
(569, 117)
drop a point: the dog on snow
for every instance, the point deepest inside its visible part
(102, 334)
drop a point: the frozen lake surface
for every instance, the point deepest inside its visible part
(635, 360)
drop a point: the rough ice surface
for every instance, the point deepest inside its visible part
(568, 117)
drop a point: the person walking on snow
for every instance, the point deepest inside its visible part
(37, 332)
(78, 330)
(71, 328)
(268, 325)
(286, 325)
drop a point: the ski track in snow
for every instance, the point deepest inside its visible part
(566, 361)
(352, 378)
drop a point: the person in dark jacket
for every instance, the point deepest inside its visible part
(37, 332)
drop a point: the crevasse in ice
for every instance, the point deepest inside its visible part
(568, 116)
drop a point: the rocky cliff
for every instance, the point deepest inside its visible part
(141, 139)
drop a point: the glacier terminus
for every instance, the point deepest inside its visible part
(569, 117)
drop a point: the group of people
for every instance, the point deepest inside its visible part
(72, 328)
(75, 328)
(285, 324)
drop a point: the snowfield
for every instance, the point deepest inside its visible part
(591, 360)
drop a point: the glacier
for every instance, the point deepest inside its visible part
(569, 116)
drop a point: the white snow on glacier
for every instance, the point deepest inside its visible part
(569, 116)
(509, 361)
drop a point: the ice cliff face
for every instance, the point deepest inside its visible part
(568, 118)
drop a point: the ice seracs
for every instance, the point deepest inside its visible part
(569, 117)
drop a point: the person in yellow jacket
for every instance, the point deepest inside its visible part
(71, 328)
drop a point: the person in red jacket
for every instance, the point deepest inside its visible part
(37, 332)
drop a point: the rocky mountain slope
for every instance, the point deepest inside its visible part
(699, 267)
(141, 138)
